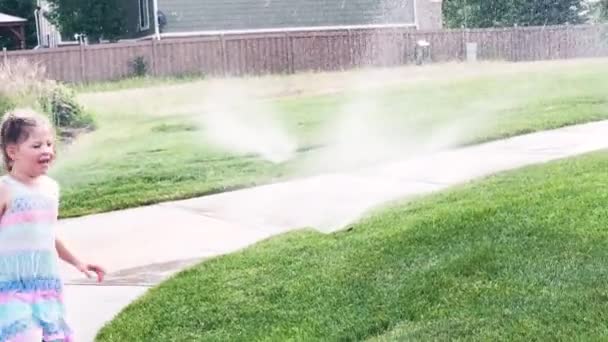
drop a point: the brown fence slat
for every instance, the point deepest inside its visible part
(306, 50)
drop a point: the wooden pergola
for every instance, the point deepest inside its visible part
(14, 25)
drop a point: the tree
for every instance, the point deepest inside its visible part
(506, 13)
(97, 19)
(603, 9)
(24, 9)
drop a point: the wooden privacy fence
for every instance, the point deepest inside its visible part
(290, 52)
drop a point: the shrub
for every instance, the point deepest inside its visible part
(21, 82)
(6, 104)
(139, 67)
(60, 103)
(24, 84)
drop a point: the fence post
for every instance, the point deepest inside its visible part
(288, 53)
(82, 64)
(351, 48)
(571, 43)
(5, 56)
(154, 62)
(292, 54)
(463, 45)
(512, 53)
(224, 56)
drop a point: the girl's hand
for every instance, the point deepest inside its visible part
(88, 268)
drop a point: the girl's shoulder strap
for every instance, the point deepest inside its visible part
(9, 182)
(51, 186)
(47, 186)
(7, 188)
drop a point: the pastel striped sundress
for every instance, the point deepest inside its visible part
(31, 300)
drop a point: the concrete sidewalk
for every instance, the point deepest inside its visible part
(143, 246)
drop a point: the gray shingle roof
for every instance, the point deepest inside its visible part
(7, 19)
(213, 15)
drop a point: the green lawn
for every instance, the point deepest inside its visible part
(518, 256)
(135, 82)
(150, 147)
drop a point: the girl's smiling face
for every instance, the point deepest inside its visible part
(33, 156)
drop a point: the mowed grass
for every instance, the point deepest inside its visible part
(518, 256)
(136, 82)
(150, 145)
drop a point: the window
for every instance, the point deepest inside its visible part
(144, 15)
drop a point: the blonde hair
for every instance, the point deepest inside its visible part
(15, 128)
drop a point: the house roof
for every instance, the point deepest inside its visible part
(222, 15)
(9, 19)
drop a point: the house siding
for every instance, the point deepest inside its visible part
(133, 30)
(429, 14)
(213, 15)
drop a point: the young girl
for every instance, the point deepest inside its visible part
(31, 300)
